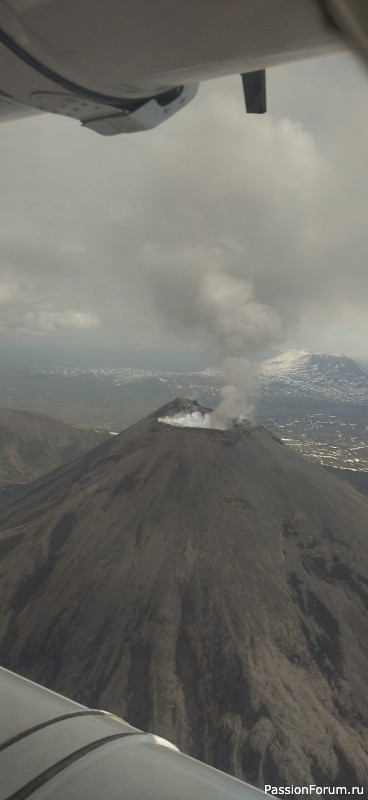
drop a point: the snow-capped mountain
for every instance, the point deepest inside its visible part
(300, 372)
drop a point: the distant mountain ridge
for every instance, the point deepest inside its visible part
(300, 372)
(33, 444)
(208, 585)
(115, 398)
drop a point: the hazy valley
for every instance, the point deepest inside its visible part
(318, 404)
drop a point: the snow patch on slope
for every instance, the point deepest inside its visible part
(302, 372)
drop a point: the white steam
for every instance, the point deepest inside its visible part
(217, 419)
(194, 419)
(232, 408)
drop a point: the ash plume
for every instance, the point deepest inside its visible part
(219, 307)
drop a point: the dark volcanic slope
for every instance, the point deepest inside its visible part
(209, 585)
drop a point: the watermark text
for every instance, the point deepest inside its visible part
(313, 789)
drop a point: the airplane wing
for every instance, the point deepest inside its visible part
(128, 66)
(51, 747)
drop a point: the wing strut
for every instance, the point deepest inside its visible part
(254, 87)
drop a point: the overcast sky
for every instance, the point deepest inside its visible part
(214, 235)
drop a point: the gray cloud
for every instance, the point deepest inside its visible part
(46, 319)
(216, 230)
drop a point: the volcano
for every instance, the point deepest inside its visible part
(208, 585)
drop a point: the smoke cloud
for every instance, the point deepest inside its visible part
(219, 307)
(234, 403)
(229, 314)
